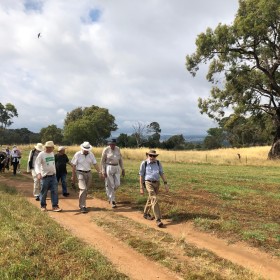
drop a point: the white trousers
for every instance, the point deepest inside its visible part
(36, 185)
(112, 181)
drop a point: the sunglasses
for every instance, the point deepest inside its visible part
(152, 156)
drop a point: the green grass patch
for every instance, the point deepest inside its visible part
(33, 246)
(185, 259)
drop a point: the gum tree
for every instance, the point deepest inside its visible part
(7, 112)
(243, 59)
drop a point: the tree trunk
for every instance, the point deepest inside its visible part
(274, 152)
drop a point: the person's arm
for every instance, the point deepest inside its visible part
(97, 168)
(142, 184)
(121, 165)
(37, 167)
(73, 178)
(164, 182)
(162, 175)
(103, 163)
(142, 178)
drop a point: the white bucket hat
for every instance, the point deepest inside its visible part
(60, 148)
(39, 147)
(86, 146)
(49, 144)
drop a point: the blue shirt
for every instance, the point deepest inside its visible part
(153, 170)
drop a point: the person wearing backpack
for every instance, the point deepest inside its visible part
(31, 168)
(149, 177)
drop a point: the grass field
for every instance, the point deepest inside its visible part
(238, 199)
(33, 246)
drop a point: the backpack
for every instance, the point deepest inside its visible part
(145, 171)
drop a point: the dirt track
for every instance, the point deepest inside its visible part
(134, 264)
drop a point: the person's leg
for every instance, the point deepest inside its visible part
(36, 184)
(110, 185)
(148, 207)
(44, 192)
(64, 184)
(83, 189)
(152, 189)
(54, 191)
(15, 164)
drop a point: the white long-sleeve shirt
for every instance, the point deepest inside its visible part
(45, 164)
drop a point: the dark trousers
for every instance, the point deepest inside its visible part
(15, 165)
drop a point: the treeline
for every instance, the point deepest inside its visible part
(95, 124)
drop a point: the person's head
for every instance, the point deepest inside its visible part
(61, 149)
(152, 155)
(49, 146)
(86, 147)
(39, 147)
(112, 143)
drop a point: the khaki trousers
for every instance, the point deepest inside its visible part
(84, 182)
(152, 201)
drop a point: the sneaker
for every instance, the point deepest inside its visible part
(114, 204)
(56, 209)
(83, 210)
(148, 217)
(66, 194)
(37, 198)
(43, 209)
(159, 223)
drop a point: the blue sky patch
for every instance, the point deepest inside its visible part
(33, 5)
(94, 15)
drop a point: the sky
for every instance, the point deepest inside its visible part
(124, 55)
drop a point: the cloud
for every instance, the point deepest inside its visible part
(128, 57)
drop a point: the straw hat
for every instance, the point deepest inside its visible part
(39, 147)
(152, 153)
(49, 144)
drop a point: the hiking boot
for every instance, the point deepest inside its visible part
(43, 209)
(148, 217)
(114, 204)
(37, 198)
(159, 223)
(83, 210)
(56, 209)
(66, 194)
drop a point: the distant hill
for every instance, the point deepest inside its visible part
(188, 138)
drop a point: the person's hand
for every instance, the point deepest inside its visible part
(105, 175)
(39, 176)
(123, 172)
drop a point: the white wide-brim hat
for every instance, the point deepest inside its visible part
(49, 144)
(86, 146)
(39, 147)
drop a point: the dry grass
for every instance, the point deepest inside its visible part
(229, 156)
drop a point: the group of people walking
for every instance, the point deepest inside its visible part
(48, 169)
(10, 158)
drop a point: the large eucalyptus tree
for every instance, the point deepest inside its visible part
(244, 59)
